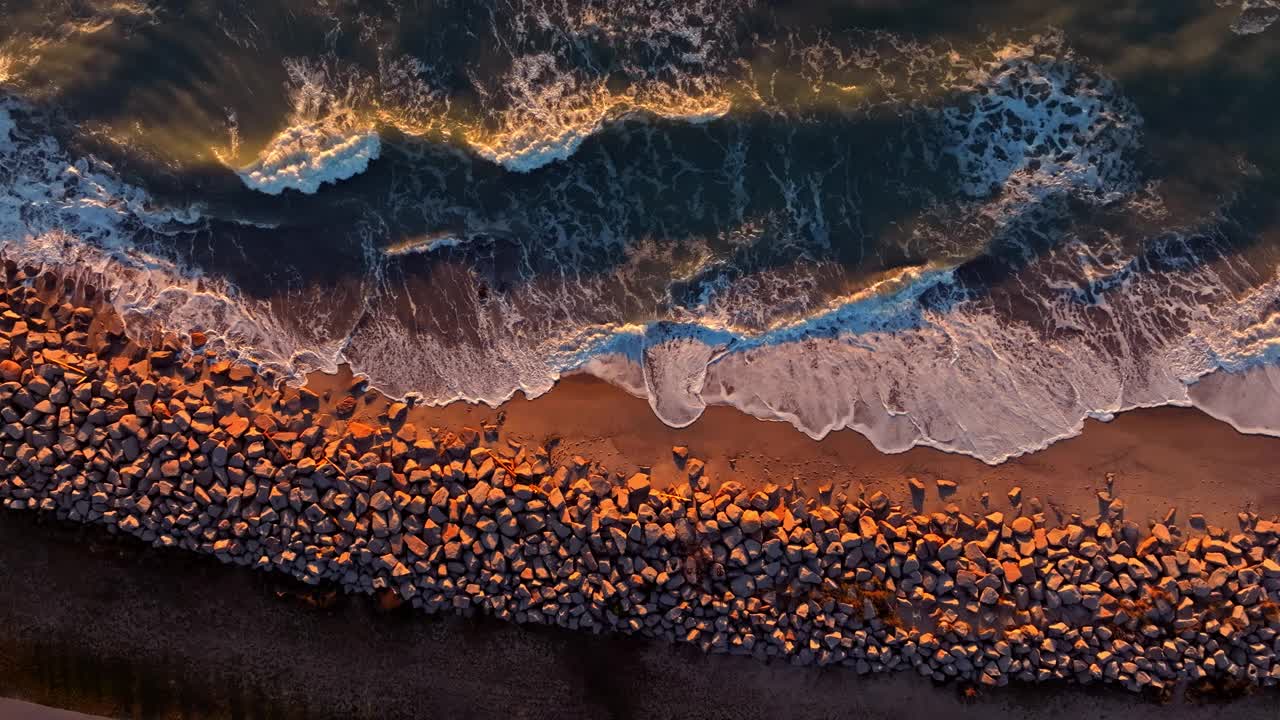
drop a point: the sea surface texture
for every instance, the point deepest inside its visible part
(964, 226)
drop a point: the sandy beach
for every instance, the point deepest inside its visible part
(1160, 458)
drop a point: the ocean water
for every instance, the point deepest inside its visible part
(966, 228)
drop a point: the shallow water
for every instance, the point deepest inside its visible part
(879, 215)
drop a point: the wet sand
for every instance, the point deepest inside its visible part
(108, 626)
(1160, 458)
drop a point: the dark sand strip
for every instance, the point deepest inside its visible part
(113, 628)
(11, 709)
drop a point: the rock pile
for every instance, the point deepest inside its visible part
(181, 449)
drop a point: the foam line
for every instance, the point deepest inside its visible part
(304, 157)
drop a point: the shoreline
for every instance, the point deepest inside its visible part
(777, 547)
(1160, 458)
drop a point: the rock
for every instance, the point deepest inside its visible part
(495, 497)
(950, 550)
(1147, 546)
(867, 526)
(360, 432)
(750, 522)
(397, 411)
(638, 487)
(879, 503)
(10, 371)
(743, 586)
(239, 373)
(1161, 533)
(440, 498)
(198, 339)
(236, 425)
(680, 454)
(1015, 495)
(345, 407)
(770, 520)
(694, 468)
(760, 501)
(946, 488)
(416, 545)
(1022, 525)
(380, 501)
(1027, 571)
(479, 493)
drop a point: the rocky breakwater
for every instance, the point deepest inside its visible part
(169, 443)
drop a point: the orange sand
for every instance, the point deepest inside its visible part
(1160, 458)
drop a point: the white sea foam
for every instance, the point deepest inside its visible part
(303, 157)
(960, 375)
(543, 106)
(550, 107)
(424, 244)
(325, 140)
(1255, 15)
(968, 381)
(531, 146)
(921, 362)
(675, 371)
(78, 218)
(1248, 400)
(618, 370)
(1032, 128)
(967, 378)
(553, 112)
(6, 129)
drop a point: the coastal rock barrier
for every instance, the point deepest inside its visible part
(172, 444)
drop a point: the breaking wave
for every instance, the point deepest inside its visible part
(304, 157)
